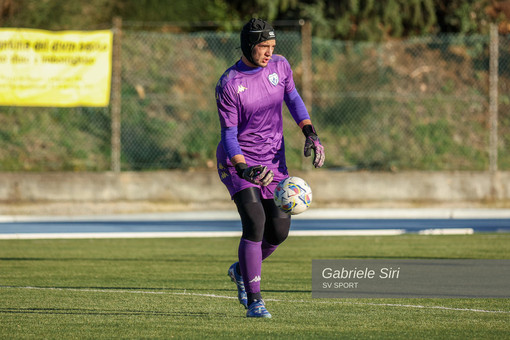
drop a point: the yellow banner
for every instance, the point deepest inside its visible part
(65, 69)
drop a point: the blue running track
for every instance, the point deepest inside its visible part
(201, 225)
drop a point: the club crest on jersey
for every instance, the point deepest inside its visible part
(273, 78)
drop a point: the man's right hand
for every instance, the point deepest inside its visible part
(257, 174)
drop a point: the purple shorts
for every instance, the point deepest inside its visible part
(234, 183)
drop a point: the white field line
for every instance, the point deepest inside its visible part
(170, 234)
(447, 231)
(397, 305)
(184, 234)
(315, 213)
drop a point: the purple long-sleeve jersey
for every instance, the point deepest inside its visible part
(251, 100)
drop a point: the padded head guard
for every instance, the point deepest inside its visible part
(253, 33)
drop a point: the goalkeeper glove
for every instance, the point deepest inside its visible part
(313, 143)
(257, 174)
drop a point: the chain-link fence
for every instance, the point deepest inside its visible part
(418, 104)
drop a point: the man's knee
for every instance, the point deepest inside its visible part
(278, 232)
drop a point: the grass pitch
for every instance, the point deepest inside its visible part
(178, 288)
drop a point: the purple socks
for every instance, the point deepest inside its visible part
(251, 255)
(267, 249)
(250, 261)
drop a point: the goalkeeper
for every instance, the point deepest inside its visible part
(251, 153)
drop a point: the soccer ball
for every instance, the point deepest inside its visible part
(293, 195)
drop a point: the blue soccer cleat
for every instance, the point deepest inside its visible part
(257, 310)
(238, 280)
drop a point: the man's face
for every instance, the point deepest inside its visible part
(262, 52)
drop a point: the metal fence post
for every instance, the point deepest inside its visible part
(116, 94)
(493, 108)
(493, 98)
(306, 55)
(306, 51)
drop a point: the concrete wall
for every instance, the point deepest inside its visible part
(205, 186)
